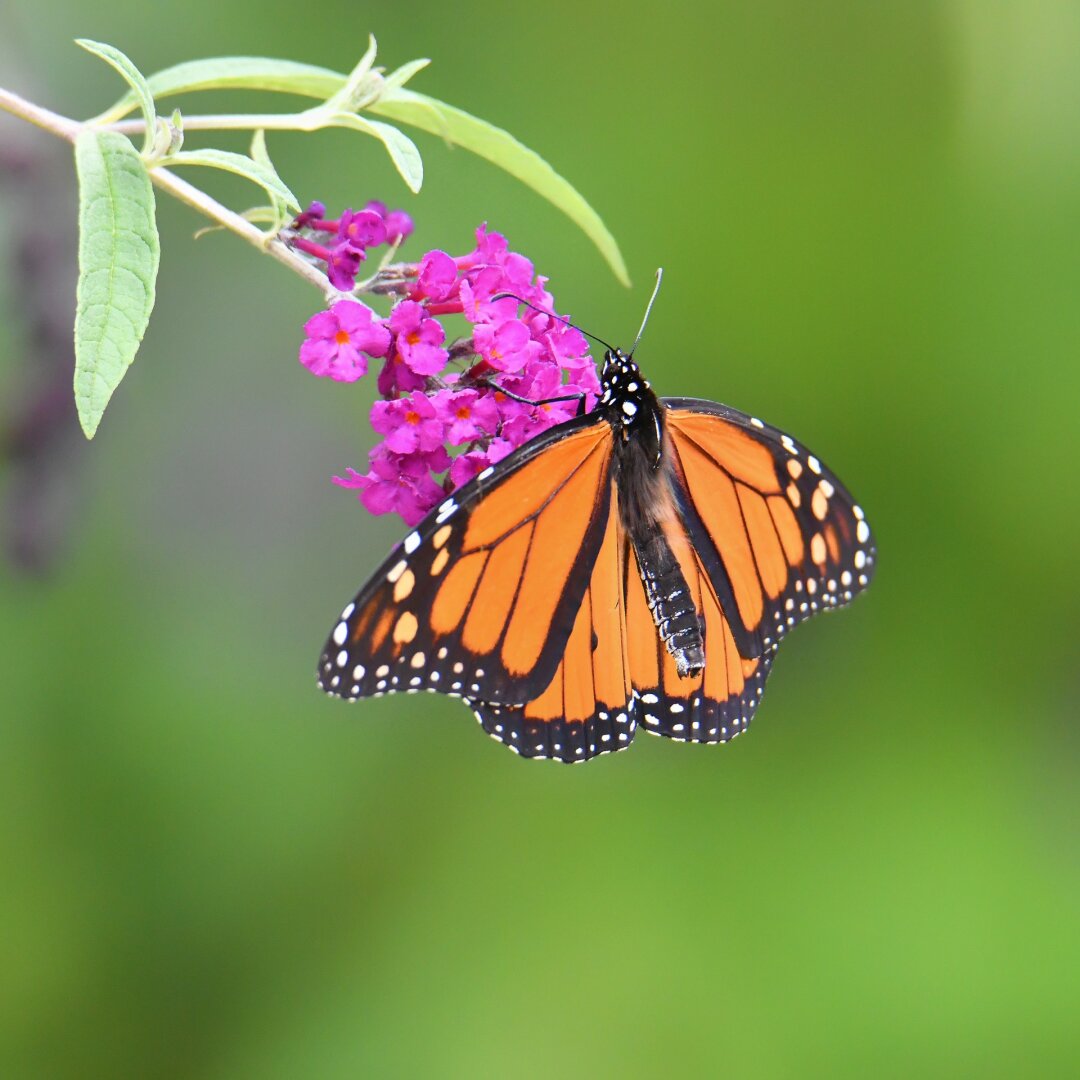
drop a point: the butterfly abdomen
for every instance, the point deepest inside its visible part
(670, 601)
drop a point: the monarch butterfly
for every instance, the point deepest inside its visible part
(636, 565)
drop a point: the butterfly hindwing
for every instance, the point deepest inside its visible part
(480, 599)
(587, 708)
(712, 706)
(777, 533)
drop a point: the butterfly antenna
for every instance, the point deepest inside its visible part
(552, 315)
(652, 299)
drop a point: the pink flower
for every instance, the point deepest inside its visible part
(362, 229)
(506, 346)
(355, 232)
(518, 274)
(476, 292)
(399, 226)
(490, 246)
(409, 424)
(465, 466)
(395, 485)
(397, 377)
(438, 275)
(566, 344)
(343, 265)
(337, 340)
(582, 376)
(437, 396)
(466, 414)
(316, 211)
(418, 339)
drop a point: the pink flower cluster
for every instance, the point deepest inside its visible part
(443, 414)
(353, 233)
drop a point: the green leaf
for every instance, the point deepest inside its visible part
(428, 114)
(259, 152)
(118, 264)
(234, 73)
(397, 79)
(502, 149)
(358, 88)
(258, 173)
(402, 150)
(133, 77)
(278, 210)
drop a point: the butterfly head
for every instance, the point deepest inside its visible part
(624, 390)
(630, 406)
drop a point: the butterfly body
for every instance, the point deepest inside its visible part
(638, 564)
(646, 503)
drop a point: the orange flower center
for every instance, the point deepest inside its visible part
(413, 338)
(412, 417)
(463, 412)
(342, 337)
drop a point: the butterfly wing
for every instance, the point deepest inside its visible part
(717, 703)
(745, 543)
(481, 598)
(777, 534)
(587, 708)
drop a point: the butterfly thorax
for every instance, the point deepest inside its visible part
(647, 505)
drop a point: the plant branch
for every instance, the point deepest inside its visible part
(35, 114)
(243, 228)
(181, 189)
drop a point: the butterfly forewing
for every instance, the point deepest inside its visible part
(779, 536)
(480, 599)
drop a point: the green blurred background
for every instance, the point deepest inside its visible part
(868, 215)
